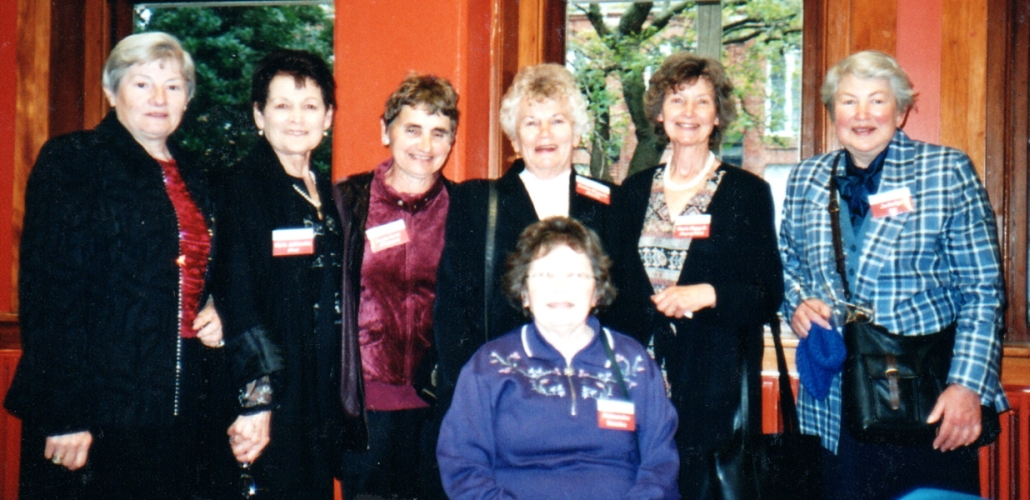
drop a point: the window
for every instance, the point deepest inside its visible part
(226, 40)
(783, 94)
(614, 47)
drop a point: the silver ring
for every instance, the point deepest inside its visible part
(56, 459)
(221, 343)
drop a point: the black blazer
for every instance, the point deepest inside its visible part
(741, 261)
(99, 288)
(458, 311)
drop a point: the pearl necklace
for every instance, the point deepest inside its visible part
(683, 186)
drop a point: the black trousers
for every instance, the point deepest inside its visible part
(866, 471)
(393, 464)
(155, 463)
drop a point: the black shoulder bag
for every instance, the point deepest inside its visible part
(785, 465)
(890, 383)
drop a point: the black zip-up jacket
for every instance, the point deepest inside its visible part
(99, 288)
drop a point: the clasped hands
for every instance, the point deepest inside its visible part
(684, 301)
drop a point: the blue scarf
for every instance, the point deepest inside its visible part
(858, 183)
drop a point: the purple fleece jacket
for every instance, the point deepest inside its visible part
(524, 425)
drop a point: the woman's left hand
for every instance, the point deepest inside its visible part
(684, 301)
(249, 435)
(209, 326)
(958, 410)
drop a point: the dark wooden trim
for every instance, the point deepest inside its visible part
(813, 115)
(554, 41)
(10, 332)
(1006, 135)
(67, 66)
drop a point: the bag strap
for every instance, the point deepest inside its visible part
(788, 408)
(619, 379)
(838, 245)
(488, 260)
(615, 365)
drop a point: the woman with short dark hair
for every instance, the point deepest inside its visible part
(698, 270)
(278, 277)
(559, 407)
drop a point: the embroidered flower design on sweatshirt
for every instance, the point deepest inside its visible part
(551, 380)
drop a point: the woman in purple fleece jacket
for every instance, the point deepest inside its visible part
(560, 407)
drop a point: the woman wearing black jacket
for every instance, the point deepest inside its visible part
(278, 285)
(114, 259)
(697, 268)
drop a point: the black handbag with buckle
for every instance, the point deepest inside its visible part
(890, 383)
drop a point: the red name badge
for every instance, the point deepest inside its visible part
(616, 415)
(287, 242)
(387, 235)
(692, 226)
(593, 189)
(891, 203)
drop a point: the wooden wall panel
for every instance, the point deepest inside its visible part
(10, 430)
(32, 119)
(66, 58)
(814, 126)
(873, 25)
(963, 77)
(96, 45)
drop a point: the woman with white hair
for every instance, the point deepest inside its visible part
(114, 268)
(919, 251)
(545, 116)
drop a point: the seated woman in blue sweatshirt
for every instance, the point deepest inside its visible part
(560, 407)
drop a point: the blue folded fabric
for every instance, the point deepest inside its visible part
(819, 358)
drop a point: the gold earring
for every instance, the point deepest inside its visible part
(325, 133)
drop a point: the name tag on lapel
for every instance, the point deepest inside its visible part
(295, 241)
(891, 203)
(616, 414)
(594, 190)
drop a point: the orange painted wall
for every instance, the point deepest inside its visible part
(379, 43)
(919, 53)
(8, 97)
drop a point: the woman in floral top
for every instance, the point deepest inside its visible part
(559, 407)
(698, 270)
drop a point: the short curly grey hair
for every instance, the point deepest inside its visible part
(869, 64)
(544, 81)
(146, 48)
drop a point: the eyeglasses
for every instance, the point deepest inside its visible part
(248, 487)
(569, 276)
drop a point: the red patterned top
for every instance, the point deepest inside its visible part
(194, 247)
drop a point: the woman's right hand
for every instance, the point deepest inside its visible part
(68, 450)
(249, 435)
(808, 312)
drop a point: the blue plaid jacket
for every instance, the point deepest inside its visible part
(920, 271)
